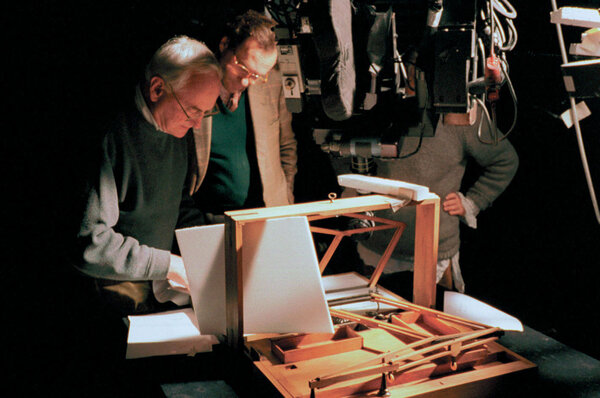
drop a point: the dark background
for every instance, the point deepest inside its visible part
(69, 65)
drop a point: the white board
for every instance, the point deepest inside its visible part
(203, 253)
(283, 292)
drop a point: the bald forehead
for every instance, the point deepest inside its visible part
(251, 46)
(260, 59)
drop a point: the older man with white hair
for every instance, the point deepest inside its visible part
(135, 199)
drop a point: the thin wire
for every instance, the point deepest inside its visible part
(422, 132)
(482, 51)
(513, 94)
(418, 146)
(487, 119)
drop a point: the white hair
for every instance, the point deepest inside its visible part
(180, 58)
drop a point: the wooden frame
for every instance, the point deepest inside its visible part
(415, 351)
(427, 354)
(426, 246)
(314, 345)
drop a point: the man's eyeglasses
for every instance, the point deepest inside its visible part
(194, 116)
(250, 75)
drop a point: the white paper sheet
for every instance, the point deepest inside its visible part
(283, 292)
(203, 253)
(384, 186)
(472, 309)
(350, 285)
(166, 333)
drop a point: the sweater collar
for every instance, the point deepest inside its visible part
(142, 107)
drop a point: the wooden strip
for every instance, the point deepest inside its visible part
(373, 218)
(384, 357)
(426, 253)
(234, 292)
(326, 231)
(442, 315)
(443, 353)
(367, 229)
(386, 256)
(375, 323)
(329, 253)
(395, 366)
(356, 204)
(348, 232)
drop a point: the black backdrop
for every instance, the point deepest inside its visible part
(70, 65)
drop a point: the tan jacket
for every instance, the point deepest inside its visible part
(274, 139)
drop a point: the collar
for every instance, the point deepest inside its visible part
(141, 106)
(229, 100)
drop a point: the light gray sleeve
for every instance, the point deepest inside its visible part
(105, 253)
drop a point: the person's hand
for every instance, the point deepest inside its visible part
(453, 205)
(177, 276)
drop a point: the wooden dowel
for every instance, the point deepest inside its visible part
(468, 336)
(386, 256)
(376, 219)
(347, 232)
(442, 315)
(329, 253)
(443, 354)
(390, 354)
(394, 365)
(375, 323)
(381, 368)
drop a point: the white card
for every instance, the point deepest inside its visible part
(283, 291)
(472, 309)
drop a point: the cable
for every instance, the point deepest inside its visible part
(482, 51)
(487, 119)
(418, 145)
(421, 135)
(508, 12)
(513, 94)
(575, 120)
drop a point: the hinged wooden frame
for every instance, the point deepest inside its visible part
(426, 246)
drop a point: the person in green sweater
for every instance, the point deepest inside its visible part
(253, 148)
(139, 194)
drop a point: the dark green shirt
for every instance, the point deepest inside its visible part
(231, 180)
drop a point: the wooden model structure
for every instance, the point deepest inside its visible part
(406, 350)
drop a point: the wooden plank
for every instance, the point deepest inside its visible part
(356, 204)
(386, 256)
(426, 253)
(329, 253)
(234, 297)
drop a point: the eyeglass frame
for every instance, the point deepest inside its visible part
(212, 112)
(249, 74)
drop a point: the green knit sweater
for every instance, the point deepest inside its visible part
(133, 207)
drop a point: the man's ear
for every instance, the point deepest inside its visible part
(157, 88)
(223, 44)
